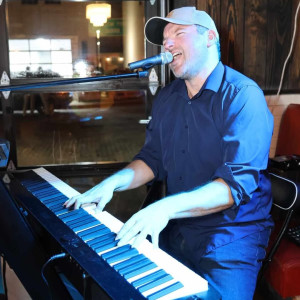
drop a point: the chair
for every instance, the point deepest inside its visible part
(289, 132)
(285, 200)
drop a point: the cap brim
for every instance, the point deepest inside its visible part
(154, 28)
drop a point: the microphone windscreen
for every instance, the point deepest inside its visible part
(166, 57)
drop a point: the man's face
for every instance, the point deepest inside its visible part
(188, 47)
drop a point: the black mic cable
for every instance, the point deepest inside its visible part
(52, 258)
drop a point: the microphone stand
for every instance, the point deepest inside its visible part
(26, 86)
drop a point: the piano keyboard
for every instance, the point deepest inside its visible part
(152, 272)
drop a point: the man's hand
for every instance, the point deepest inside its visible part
(100, 194)
(148, 221)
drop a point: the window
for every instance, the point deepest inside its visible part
(40, 58)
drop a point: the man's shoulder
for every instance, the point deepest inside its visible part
(238, 80)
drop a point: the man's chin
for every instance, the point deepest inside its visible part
(177, 73)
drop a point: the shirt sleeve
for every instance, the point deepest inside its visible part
(246, 137)
(151, 151)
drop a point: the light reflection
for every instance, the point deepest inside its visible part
(81, 68)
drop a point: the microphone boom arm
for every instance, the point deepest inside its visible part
(26, 86)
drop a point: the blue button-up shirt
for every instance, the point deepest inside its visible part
(225, 132)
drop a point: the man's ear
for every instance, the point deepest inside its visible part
(211, 38)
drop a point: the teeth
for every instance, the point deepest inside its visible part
(175, 54)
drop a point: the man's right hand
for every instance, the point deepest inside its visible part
(134, 175)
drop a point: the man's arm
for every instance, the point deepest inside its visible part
(134, 175)
(210, 198)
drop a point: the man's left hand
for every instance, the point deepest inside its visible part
(148, 221)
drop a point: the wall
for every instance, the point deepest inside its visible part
(277, 106)
(256, 37)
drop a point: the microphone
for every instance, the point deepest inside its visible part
(147, 63)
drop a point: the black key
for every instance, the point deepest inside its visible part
(59, 211)
(48, 197)
(129, 262)
(148, 278)
(97, 234)
(116, 251)
(99, 240)
(48, 201)
(146, 261)
(124, 255)
(34, 184)
(86, 225)
(138, 271)
(81, 221)
(56, 204)
(88, 233)
(73, 214)
(107, 246)
(46, 192)
(41, 186)
(165, 291)
(155, 283)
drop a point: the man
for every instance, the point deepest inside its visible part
(209, 137)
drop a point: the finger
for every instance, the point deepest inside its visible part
(77, 204)
(99, 207)
(101, 204)
(69, 202)
(128, 236)
(126, 227)
(139, 239)
(154, 238)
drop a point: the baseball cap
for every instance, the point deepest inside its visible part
(188, 15)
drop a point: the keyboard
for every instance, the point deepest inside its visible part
(150, 271)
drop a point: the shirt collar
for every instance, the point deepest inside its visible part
(214, 80)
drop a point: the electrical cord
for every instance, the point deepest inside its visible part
(291, 49)
(52, 258)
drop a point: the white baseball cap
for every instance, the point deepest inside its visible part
(188, 15)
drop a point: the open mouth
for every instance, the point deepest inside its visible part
(175, 55)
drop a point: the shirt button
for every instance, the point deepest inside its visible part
(186, 126)
(190, 102)
(180, 178)
(183, 151)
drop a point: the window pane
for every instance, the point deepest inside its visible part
(64, 70)
(40, 57)
(39, 44)
(62, 44)
(61, 56)
(17, 45)
(21, 57)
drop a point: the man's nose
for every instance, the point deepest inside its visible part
(168, 44)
